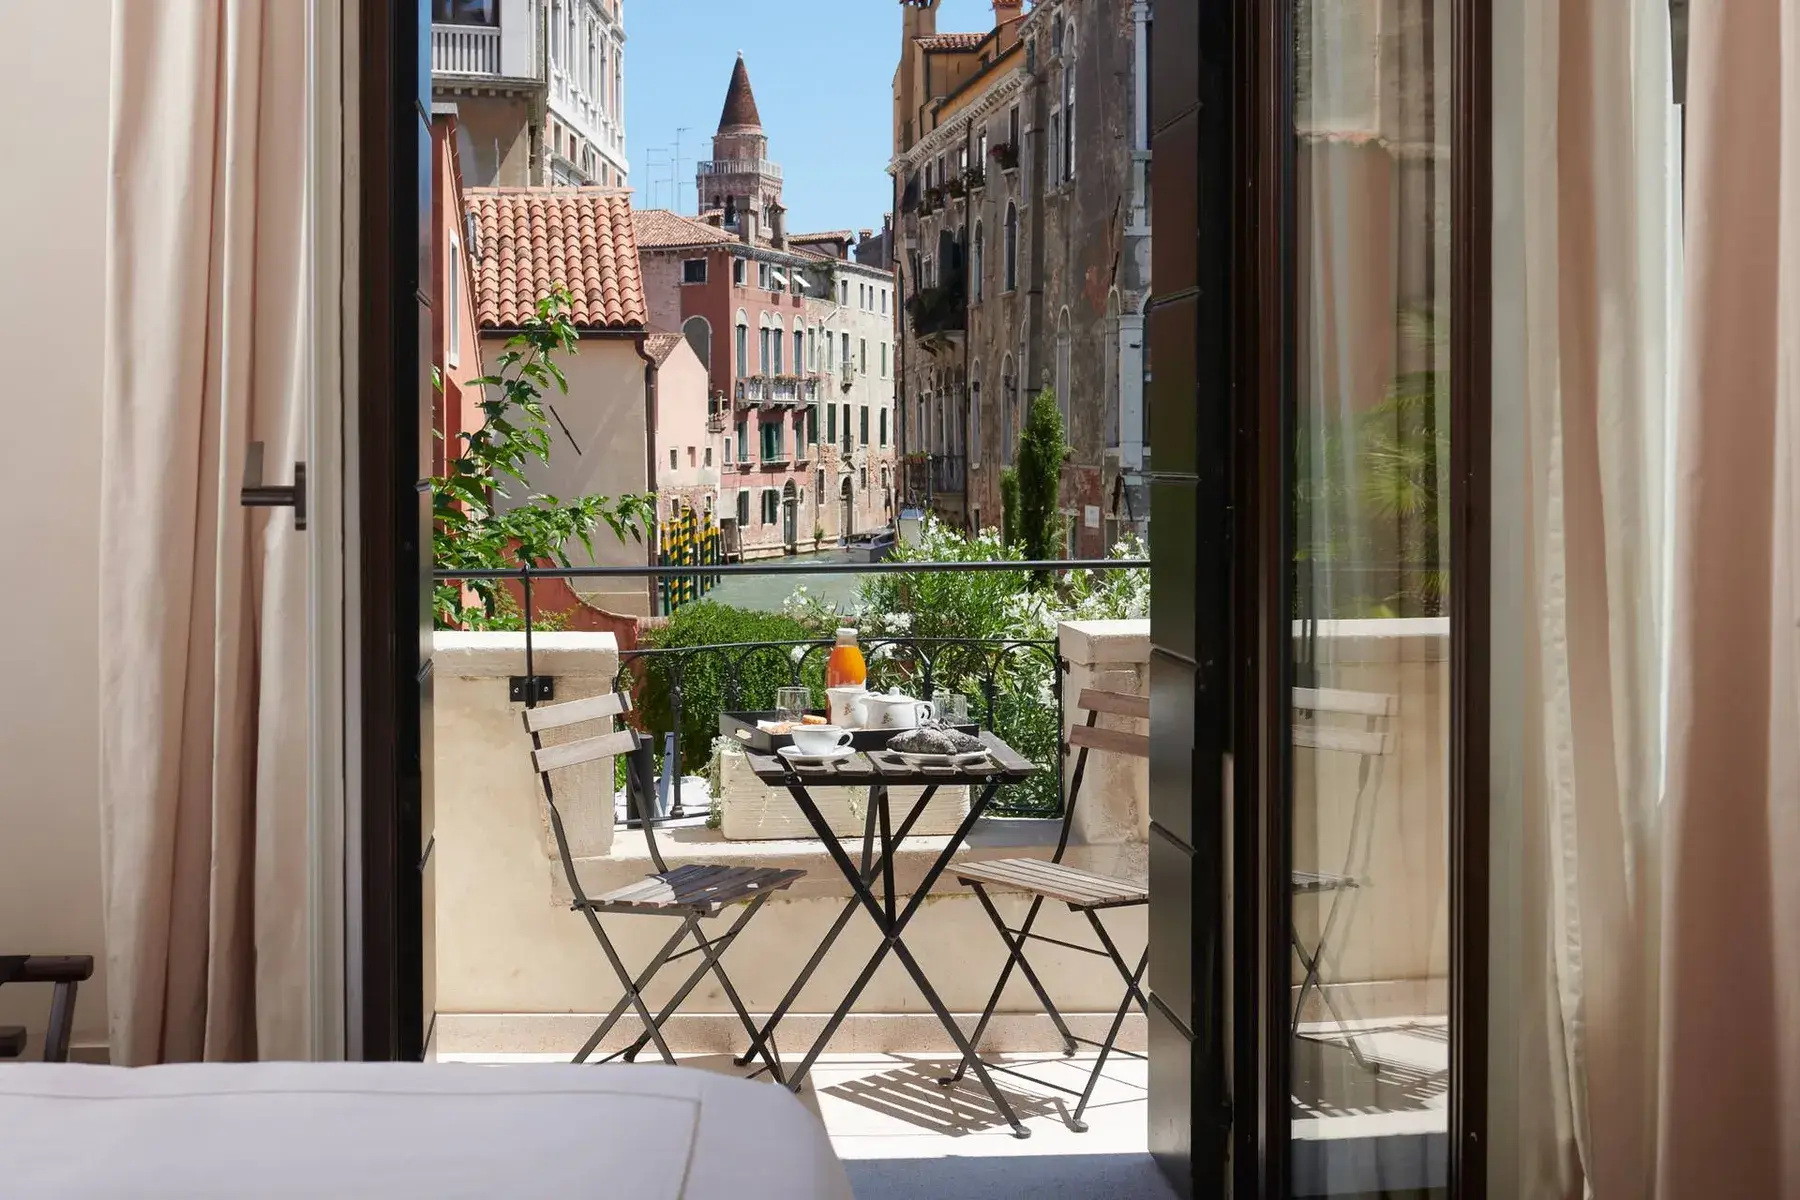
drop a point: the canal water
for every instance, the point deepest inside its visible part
(766, 593)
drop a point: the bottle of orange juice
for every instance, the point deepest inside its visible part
(845, 667)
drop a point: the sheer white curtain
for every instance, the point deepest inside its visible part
(203, 617)
(1730, 1118)
(1591, 222)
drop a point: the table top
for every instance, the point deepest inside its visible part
(1004, 764)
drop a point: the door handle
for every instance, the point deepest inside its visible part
(256, 494)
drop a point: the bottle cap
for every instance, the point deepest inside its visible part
(846, 635)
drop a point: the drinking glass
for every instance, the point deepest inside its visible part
(791, 703)
(952, 708)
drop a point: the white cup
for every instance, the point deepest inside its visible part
(816, 740)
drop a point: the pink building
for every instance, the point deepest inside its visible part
(795, 337)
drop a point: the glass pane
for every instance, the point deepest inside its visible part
(1370, 944)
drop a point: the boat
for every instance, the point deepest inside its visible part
(871, 547)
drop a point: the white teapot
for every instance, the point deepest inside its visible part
(891, 710)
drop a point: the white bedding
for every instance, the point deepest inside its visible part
(284, 1130)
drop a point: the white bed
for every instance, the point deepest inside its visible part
(403, 1130)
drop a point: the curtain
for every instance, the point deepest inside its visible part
(1730, 1083)
(203, 614)
(1597, 156)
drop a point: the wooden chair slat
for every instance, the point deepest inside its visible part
(570, 754)
(1120, 704)
(1069, 885)
(573, 712)
(1351, 741)
(1114, 741)
(1335, 700)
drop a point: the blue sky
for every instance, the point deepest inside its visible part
(823, 74)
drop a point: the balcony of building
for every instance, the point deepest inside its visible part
(465, 50)
(1370, 1092)
(777, 391)
(739, 166)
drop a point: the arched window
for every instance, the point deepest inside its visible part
(776, 337)
(1011, 251)
(1009, 409)
(1109, 380)
(1068, 106)
(799, 351)
(975, 422)
(743, 346)
(977, 264)
(1065, 351)
(698, 332)
(762, 345)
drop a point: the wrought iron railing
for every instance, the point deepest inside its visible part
(1014, 686)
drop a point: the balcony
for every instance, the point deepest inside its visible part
(739, 166)
(778, 391)
(938, 310)
(465, 50)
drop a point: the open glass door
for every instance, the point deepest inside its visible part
(1368, 774)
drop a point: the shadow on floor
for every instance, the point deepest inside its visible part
(913, 1094)
(1035, 1177)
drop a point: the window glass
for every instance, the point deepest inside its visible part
(693, 270)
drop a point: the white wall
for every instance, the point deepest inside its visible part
(52, 264)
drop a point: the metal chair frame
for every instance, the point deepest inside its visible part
(705, 899)
(1373, 743)
(1086, 737)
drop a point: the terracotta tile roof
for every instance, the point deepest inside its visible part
(830, 235)
(535, 238)
(951, 41)
(658, 227)
(740, 102)
(660, 345)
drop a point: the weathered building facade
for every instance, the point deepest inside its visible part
(1021, 183)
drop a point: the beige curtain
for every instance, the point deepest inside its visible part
(203, 613)
(1596, 149)
(1731, 1000)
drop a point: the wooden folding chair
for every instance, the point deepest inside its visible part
(65, 973)
(1372, 743)
(692, 893)
(1085, 892)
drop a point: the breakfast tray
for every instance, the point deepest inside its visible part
(741, 728)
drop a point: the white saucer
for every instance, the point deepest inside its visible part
(793, 755)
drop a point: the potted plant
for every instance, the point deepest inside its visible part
(974, 178)
(1006, 154)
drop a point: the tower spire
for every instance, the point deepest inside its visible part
(740, 102)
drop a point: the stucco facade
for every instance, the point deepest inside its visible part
(689, 453)
(1020, 179)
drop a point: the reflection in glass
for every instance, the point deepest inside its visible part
(1371, 633)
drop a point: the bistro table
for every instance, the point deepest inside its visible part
(881, 770)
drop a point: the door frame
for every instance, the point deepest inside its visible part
(392, 764)
(1222, 120)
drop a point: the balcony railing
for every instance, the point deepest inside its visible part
(927, 475)
(740, 166)
(772, 391)
(465, 50)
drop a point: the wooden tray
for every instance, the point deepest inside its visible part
(741, 728)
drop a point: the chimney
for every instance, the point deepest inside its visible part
(1007, 10)
(863, 235)
(921, 18)
(778, 226)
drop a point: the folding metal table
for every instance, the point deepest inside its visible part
(880, 771)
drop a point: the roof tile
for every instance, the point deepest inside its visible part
(533, 239)
(659, 228)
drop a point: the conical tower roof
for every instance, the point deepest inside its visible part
(740, 102)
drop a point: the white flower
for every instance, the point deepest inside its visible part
(797, 653)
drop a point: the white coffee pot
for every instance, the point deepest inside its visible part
(892, 709)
